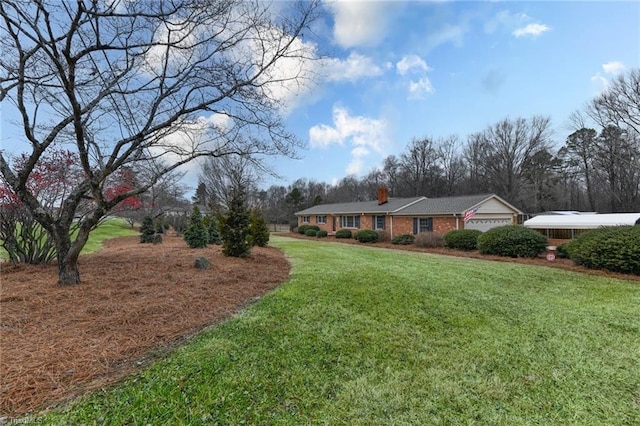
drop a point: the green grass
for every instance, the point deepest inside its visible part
(367, 336)
(110, 228)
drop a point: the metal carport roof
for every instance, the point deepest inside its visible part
(586, 221)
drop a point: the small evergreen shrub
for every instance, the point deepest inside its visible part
(213, 230)
(159, 226)
(512, 241)
(367, 236)
(429, 240)
(196, 234)
(403, 239)
(344, 233)
(614, 248)
(311, 232)
(302, 229)
(462, 239)
(234, 228)
(147, 230)
(322, 234)
(258, 229)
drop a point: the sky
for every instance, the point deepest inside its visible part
(405, 70)
(392, 71)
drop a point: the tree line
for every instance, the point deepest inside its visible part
(596, 168)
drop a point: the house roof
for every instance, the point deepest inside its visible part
(583, 221)
(407, 206)
(370, 207)
(449, 205)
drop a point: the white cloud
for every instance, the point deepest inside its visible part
(531, 30)
(419, 85)
(421, 88)
(507, 20)
(353, 68)
(364, 134)
(613, 67)
(411, 62)
(600, 81)
(359, 23)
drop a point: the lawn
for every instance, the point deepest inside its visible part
(110, 228)
(360, 335)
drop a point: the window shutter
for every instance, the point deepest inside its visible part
(356, 222)
(430, 224)
(415, 225)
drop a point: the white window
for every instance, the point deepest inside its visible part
(305, 219)
(422, 224)
(321, 219)
(350, 222)
(379, 222)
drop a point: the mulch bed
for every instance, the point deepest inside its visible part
(59, 342)
(135, 300)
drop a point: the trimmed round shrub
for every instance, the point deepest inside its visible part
(310, 232)
(403, 239)
(322, 234)
(614, 248)
(302, 229)
(462, 239)
(512, 241)
(429, 240)
(344, 233)
(367, 236)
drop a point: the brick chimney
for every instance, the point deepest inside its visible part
(383, 194)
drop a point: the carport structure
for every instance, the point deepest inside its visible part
(570, 226)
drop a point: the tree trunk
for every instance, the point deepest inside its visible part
(67, 253)
(68, 273)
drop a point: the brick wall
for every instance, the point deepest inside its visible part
(401, 224)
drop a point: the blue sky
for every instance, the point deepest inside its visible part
(393, 71)
(405, 70)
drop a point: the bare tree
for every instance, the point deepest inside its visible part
(420, 167)
(451, 163)
(619, 103)
(509, 144)
(128, 84)
(577, 155)
(225, 176)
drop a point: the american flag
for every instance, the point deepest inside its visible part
(469, 214)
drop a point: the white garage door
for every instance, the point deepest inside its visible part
(486, 224)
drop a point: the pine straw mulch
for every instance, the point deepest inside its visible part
(57, 343)
(60, 342)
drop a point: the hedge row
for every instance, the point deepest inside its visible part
(512, 241)
(615, 248)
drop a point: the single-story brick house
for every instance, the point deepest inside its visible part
(398, 216)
